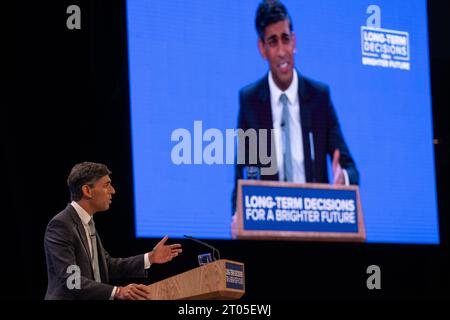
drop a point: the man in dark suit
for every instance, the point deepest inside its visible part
(78, 266)
(296, 112)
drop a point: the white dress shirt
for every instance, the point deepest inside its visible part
(295, 132)
(85, 218)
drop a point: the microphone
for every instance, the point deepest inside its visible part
(206, 245)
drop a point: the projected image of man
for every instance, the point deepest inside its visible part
(298, 107)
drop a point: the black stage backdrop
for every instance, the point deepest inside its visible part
(71, 104)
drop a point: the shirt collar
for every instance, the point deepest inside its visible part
(291, 92)
(84, 216)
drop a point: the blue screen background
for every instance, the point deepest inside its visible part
(187, 62)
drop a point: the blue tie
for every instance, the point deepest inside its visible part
(287, 156)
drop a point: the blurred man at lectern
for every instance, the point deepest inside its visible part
(300, 109)
(78, 266)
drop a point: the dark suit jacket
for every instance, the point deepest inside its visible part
(317, 115)
(65, 245)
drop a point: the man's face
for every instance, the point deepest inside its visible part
(278, 49)
(101, 194)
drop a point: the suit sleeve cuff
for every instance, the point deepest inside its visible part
(346, 178)
(147, 263)
(113, 293)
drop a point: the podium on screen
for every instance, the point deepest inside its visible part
(274, 210)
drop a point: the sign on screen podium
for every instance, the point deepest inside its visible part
(275, 210)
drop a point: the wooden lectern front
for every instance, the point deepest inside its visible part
(218, 280)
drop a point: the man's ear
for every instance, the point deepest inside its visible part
(86, 191)
(262, 49)
(294, 41)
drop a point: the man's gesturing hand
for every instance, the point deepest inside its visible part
(162, 253)
(338, 173)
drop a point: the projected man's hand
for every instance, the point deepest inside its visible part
(338, 173)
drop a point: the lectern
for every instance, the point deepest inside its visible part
(219, 280)
(275, 210)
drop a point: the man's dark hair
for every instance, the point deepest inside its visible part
(269, 12)
(84, 173)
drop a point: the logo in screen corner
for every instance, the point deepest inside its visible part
(384, 48)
